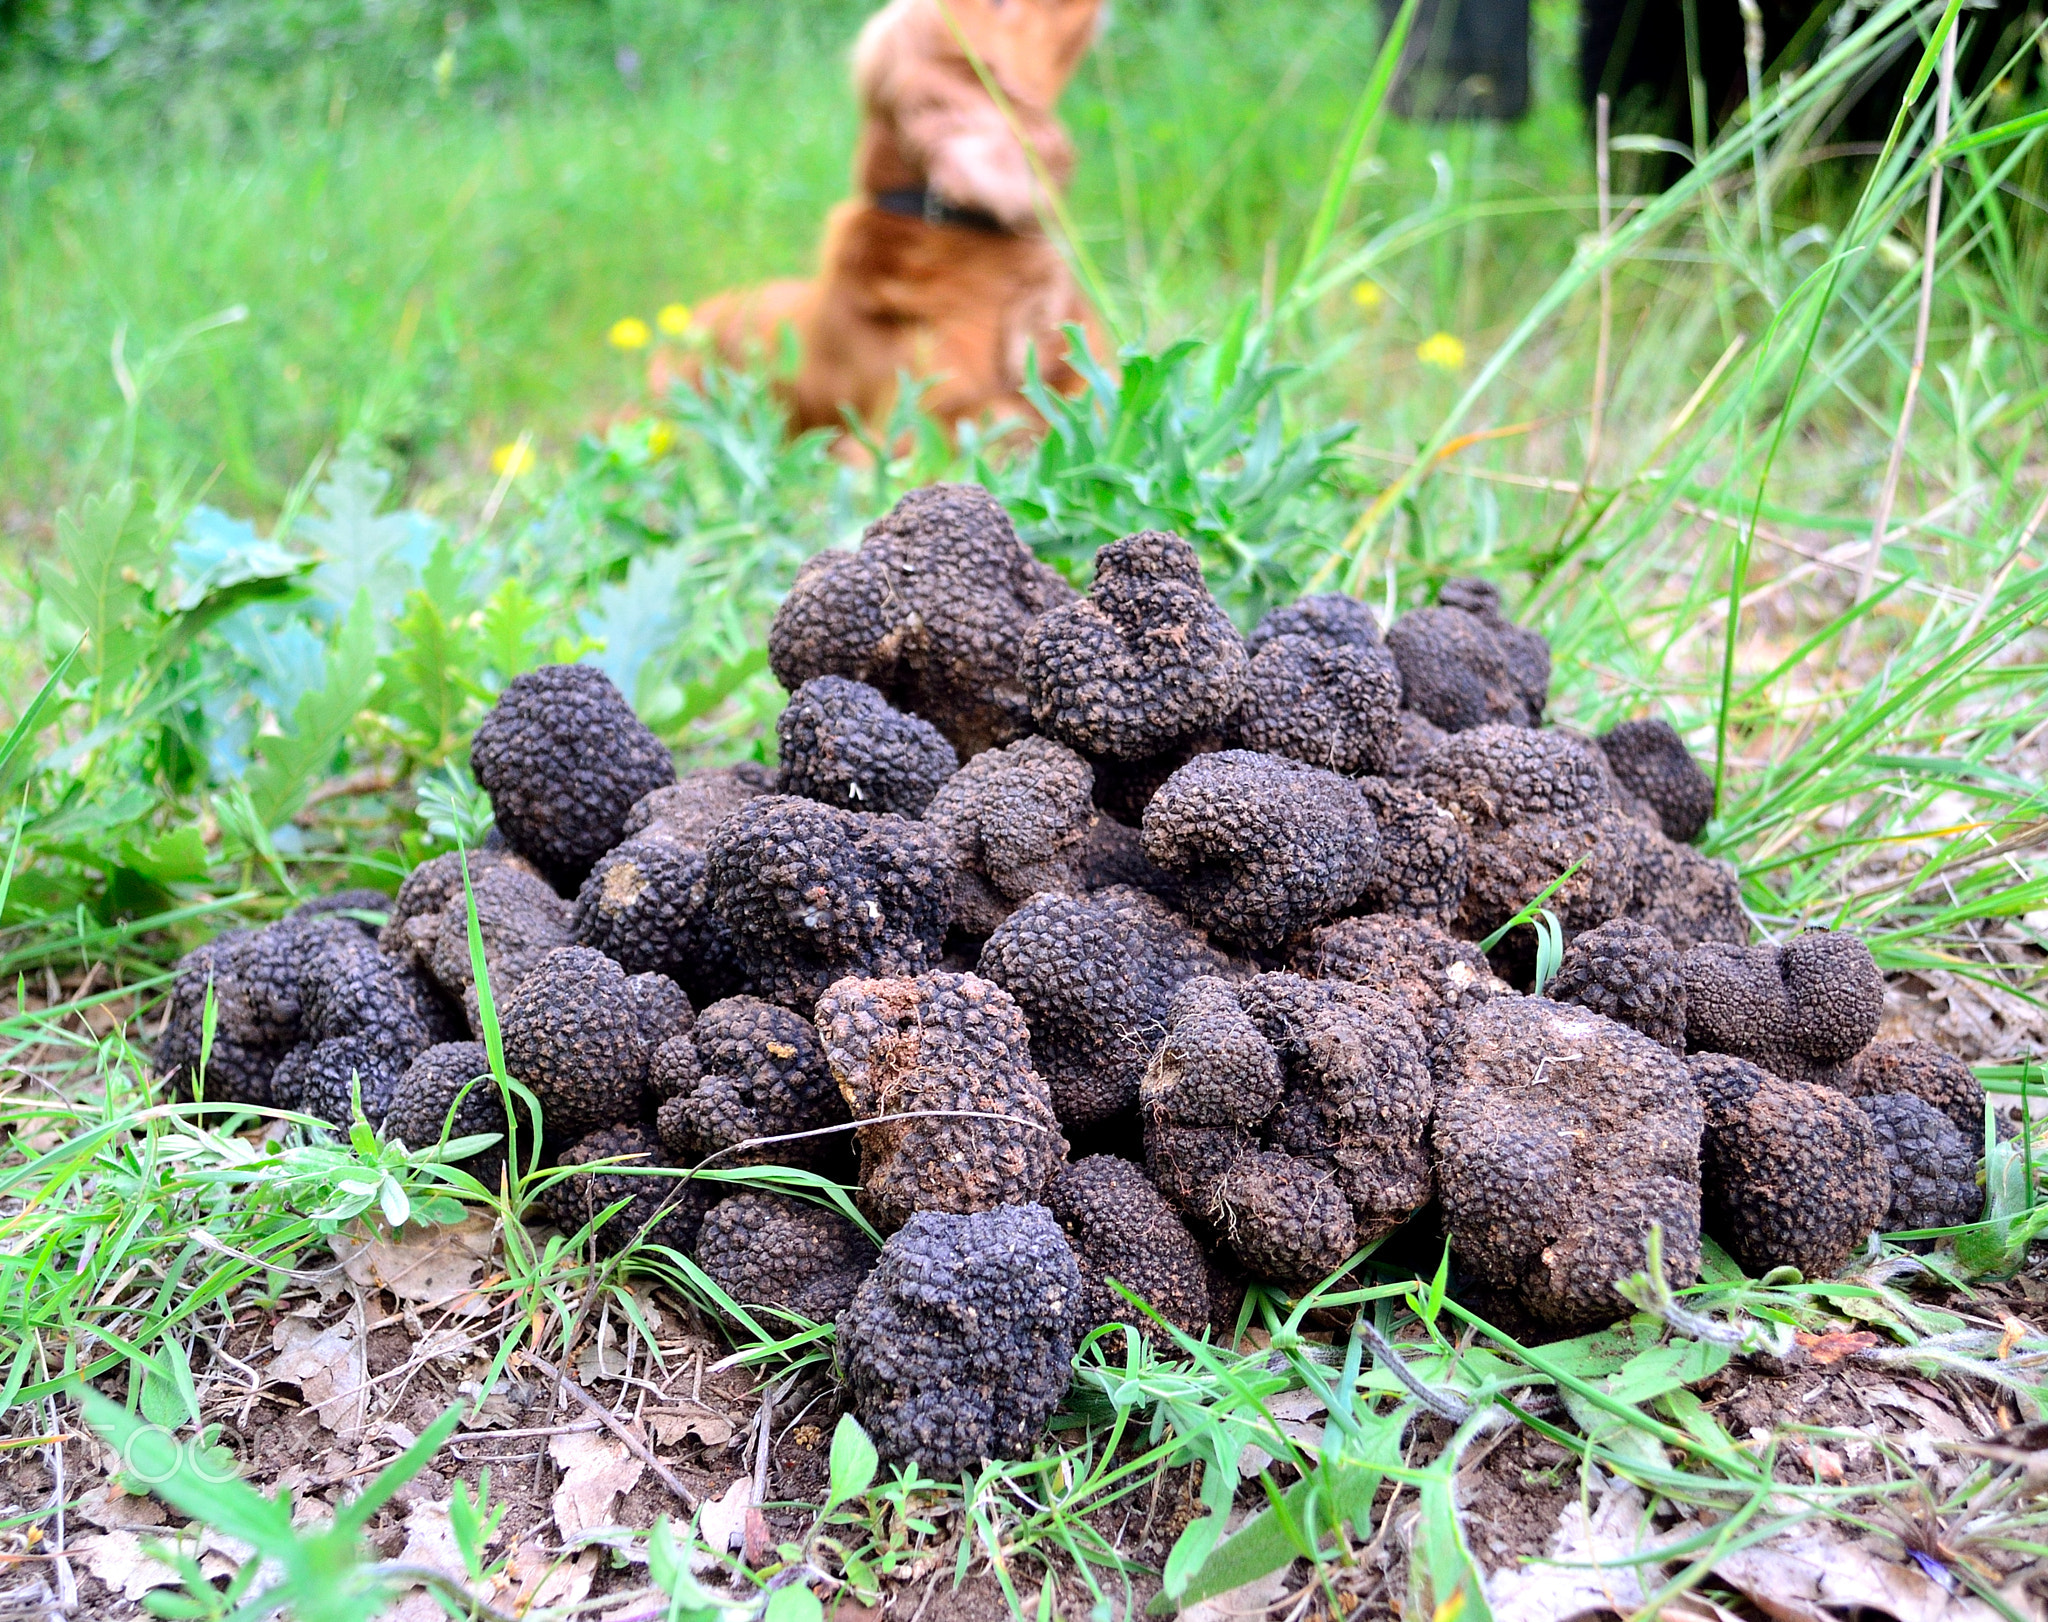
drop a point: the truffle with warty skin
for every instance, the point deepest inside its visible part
(1418, 739)
(1801, 1010)
(253, 976)
(348, 903)
(1123, 788)
(1265, 848)
(1093, 976)
(931, 610)
(581, 1033)
(647, 906)
(1431, 971)
(686, 811)
(811, 894)
(1929, 1073)
(1425, 854)
(1020, 818)
(1330, 618)
(1146, 660)
(519, 919)
(769, 1250)
(746, 1069)
(938, 1070)
(1463, 665)
(1629, 972)
(1791, 1175)
(1334, 706)
(960, 1343)
(1560, 1137)
(1690, 897)
(1933, 1167)
(1289, 1118)
(449, 1087)
(842, 744)
(660, 1209)
(1121, 1228)
(563, 758)
(1651, 760)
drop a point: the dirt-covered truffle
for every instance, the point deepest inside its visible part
(1288, 1118)
(659, 1210)
(519, 919)
(810, 894)
(1929, 1073)
(746, 1069)
(1651, 760)
(841, 743)
(450, 1076)
(1560, 1137)
(1933, 1167)
(1122, 1229)
(686, 811)
(768, 1250)
(959, 1345)
(931, 610)
(254, 979)
(647, 906)
(1419, 736)
(1337, 706)
(1431, 971)
(1330, 618)
(1463, 665)
(1690, 897)
(1265, 848)
(1801, 1010)
(1791, 1175)
(1629, 972)
(948, 1059)
(1143, 662)
(1123, 788)
(1019, 818)
(1093, 977)
(580, 1032)
(563, 757)
(1424, 857)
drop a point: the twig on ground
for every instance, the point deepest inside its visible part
(618, 1427)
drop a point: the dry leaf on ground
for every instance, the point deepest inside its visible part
(535, 1579)
(430, 1544)
(1814, 1571)
(108, 1506)
(1583, 1580)
(722, 1522)
(688, 1419)
(327, 1367)
(426, 1266)
(596, 1471)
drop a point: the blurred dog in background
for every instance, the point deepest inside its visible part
(940, 266)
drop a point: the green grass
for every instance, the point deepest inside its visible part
(216, 718)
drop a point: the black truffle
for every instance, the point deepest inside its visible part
(659, 1210)
(1790, 1175)
(767, 1250)
(1337, 707)
(931, 610)
(1463, 665)
(1651, 760)
(939, 1067)
(1927, 1072)
(842, 744)
(347, 902)
(1432, 972)
(1933, 1166)
(1093, 978)
(811, 894)
(746, 1069)
(1690, 897)
(1424, 858)
(1800, 1010)
(519, 920)
(580, 1032)
(960, 1343)
(647, 906)
(1560, 1137)
(450, 1076)
(563, 757)
(1332, 619)
(254, 978)
(1145, 661)
(1288, 1117)
(1266, 848)
(1629, 972)
(686, 812)
(1019, 818)
(1122, 1229)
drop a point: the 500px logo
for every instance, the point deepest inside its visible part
(154, 1455)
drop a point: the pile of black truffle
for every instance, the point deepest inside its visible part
(1092, 939)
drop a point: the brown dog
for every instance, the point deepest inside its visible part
(940, 267)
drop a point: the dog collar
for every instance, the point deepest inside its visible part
(922, 203)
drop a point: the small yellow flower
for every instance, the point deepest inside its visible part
(1367, 295)
(510, 461)
(1442, 350)
(660, 438)
(673, 319)
(629, 332)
